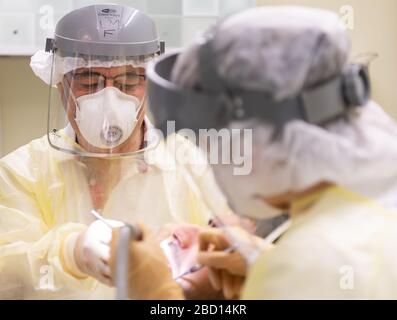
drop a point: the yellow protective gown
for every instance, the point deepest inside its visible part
(46, 194)
(340, 246)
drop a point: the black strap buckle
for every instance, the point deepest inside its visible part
(49, 45)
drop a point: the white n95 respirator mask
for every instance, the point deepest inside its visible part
(107, 118)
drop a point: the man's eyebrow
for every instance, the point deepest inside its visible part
(129, 73)
(88, 73)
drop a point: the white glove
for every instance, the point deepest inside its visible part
(88, 252)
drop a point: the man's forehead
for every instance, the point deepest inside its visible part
(112, 70)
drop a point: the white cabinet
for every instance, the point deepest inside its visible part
(200, 7)
(194, 26)
(164, 7)
(227, 7)
(17, 6)
(169, 28)
(17, 32)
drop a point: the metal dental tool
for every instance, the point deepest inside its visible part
(198, 266)
(98, 216)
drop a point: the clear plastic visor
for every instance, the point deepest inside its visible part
(97, 105)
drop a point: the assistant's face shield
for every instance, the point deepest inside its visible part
(215, 105)
(205, 108)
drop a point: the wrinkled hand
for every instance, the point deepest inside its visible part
(149, 276)
(226, 270)
(92, 250)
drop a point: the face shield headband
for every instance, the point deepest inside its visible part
(217, 103)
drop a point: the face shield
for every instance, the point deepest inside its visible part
(216, 107)
(95, 68)
(98, 105)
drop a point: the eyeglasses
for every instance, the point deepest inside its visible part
(93, 81)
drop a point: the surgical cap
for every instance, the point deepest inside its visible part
(41, 64)
(277, 50)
